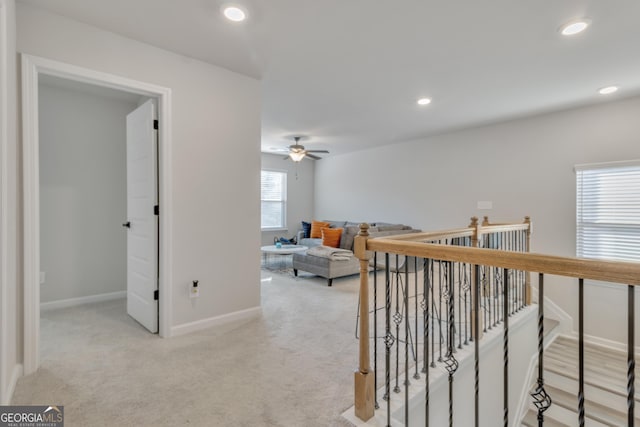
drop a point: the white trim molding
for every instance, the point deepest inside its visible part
(4, 203)
(32, 67)
(198, 325)
(72, 302)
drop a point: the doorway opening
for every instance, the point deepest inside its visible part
(150, 163)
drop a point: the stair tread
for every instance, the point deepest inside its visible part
(605, 378)
(531, 420)
(602, 413)
(601, 384)
(592, 368)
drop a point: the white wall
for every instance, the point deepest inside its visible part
(525, 167)
(299, 193)
(215, 159)
(83, 190)
(10, 247)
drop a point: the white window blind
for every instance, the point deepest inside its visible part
(273, 189)
(608, 211)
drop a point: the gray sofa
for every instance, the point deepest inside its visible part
(330, 269)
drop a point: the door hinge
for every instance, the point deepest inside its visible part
(156, 295)
(155, 124)
(156, 210)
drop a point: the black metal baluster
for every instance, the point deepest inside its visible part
(631, 361)
(541, 399)
(484, 295)
(581, 352)
(425, 317)
(388, 340)
(406, 339)
(497, 294)
(459, 305)
(505, 348)
(433, 320)
(440, 311)
(476, 335)
(466, 293)
(451, 363)
(415, 282)
(517, 235)
(514, 283)
(397, 318)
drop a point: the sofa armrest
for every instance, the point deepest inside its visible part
(299, 236)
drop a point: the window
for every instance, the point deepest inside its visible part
(273, 190)
(608, 211)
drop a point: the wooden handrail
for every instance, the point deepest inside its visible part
(416, 245)
(627, 273)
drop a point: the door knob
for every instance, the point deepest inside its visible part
(127, 224)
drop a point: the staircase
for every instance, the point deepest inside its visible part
(605, 386)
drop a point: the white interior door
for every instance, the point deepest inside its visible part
(142, 222)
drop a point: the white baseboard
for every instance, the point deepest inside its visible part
(16, 373)
(64, 303)
(187, 328)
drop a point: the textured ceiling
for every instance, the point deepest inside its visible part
(347, 73)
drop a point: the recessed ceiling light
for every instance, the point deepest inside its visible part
(424, 101)
(608, 90)
(574, 27)
(234, 13)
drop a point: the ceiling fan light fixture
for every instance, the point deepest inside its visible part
(297, 156)
(234, 13)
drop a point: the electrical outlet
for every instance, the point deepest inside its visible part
(194, 290)
(42, 278)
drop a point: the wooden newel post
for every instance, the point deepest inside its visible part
(364, 378)
(527, 277)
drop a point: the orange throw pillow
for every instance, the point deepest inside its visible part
(316, 229)
(331, 237)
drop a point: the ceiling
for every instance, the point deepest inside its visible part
(347, 73)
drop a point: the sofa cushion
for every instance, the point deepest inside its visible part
(349, 234)
(306, 230)
(336, 224)
(331, 237)
(346, 241)
(316, 228)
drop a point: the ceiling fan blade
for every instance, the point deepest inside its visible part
(311, 156)
(318, 151)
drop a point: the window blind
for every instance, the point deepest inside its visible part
(608, 211)
(273, 190)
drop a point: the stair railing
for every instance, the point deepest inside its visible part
(484, 268)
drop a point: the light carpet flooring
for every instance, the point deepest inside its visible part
(293, 366)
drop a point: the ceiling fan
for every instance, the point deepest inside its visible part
(297, 152)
